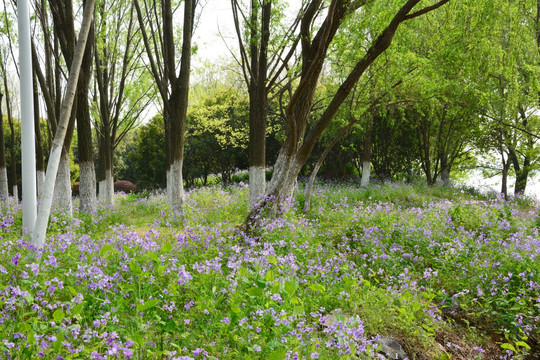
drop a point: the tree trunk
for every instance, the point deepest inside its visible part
(13, 154)
(257, 142)
(38, 236)
(40, 161)
(445, 170)
(521, 178)
(366, 158)
(4, 187)
(504, 185)
(62, 188)
(87, 180)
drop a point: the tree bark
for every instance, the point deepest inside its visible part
(4, 187)
(87, 178)
(13, 154)
(174, 91)
(366, 158)
(38, 236)
(40, 161)
(504, 182)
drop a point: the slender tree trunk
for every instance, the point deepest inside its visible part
(40, 161)
(521, 177)
(4, 187)
(504, 185)
(366, 158)
(87, 179)
(38, 236)
(445, 170)
(257, 145)
(13, 154)
(178, 102)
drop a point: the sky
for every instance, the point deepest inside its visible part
(216, 17)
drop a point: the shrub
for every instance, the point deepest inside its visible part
(125, 186)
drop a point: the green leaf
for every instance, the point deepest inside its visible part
(160, 270)
(170, 326)
(269, 276)
(290, 287)
(105, 250)
(31, 338)
(135, 267)
(58, 315)
(298, 310)
(166, 248)
(277, 355)
(77, 309)
(29, 298)
(317, 287)
(147, 305)
(255, 291)
(523, 344)
(235, 308)
(272, 259)
(154, 257)
(509, 347)
(72, 290)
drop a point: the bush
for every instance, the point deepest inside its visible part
(125, 186)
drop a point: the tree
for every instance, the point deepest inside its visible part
(216, 124)
(63, 18)
(144, 158)
(38, 235)
(4, 188)
(173, 88)
(298, 145)
(263, 59)
(123, 90)
(14, 178)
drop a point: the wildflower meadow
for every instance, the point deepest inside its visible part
(449, 273)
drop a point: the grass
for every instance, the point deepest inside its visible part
(451, 273)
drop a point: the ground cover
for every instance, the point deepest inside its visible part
(449, 273)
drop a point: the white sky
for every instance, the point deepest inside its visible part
(216, 17)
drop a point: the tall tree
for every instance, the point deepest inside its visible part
(38, 235)
(173, 88)
(122, 90)
(298, 145)
(63, 19)
(262, 66)
(4, 188)
(14, 177)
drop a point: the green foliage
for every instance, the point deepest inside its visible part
(144, 160)
(217, 125)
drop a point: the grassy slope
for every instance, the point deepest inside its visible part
(449, 273)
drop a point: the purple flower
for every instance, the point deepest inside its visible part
(15, 259)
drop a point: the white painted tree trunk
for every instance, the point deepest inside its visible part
(40, 229)
(281, 188)
(62, 187)
(87, 188)
(257, 184)
(15, 189)
(366, 172)
(40, 179)
(109, 188)
(102, 186)
(4, 187)
(175, 189)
